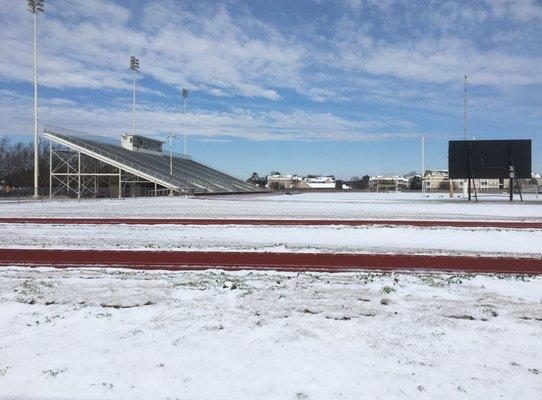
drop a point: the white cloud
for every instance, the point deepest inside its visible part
(389, 53)
(88, 46)
(518, 10)
(443, 60)
(153, 120)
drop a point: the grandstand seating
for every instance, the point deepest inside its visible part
(188, 176)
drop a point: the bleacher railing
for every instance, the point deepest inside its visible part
(74, 136)
(81, 139)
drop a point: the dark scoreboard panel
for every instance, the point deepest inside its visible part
(489, 159)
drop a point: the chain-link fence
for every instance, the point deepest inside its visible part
(7, 192)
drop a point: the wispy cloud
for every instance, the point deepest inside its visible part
(208, 125)
(271, 75)
(88, 47)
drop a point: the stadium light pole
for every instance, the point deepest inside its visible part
(171, 137)
(184, 94)
(36, 7)
(134, 67)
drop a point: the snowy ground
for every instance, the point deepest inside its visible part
(84, 334)
(330, 239)
(91, 333)
(382, 239)
(308, 205)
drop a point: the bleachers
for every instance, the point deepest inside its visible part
(188, 176)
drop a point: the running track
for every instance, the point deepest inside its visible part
(276, 222)
(317, 262)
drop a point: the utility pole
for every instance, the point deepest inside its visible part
(423, 165)
(134, 67)
(465, 111)
(36, 7)
(465, 185)
(171, 137)
(184, 94)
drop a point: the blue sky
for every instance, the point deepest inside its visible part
(304, 86)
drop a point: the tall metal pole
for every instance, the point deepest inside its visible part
(466, 187)
(134, 103)
(134, 66)
(36, 139)
(50, 169)
(120, 183)
(171, 136)
(423, 165)
(185, 136)
(36, 7)
(185, 97)
(78, 175)
(465, 112)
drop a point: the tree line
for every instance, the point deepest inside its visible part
(17, 164)
(356, 183)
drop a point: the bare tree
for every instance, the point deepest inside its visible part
(17, 163)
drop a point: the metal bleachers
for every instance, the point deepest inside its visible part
(188, 176)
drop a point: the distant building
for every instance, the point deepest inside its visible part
(439, 180)
(279, 181)
(320, 182)
(434, 179)
(386, 183)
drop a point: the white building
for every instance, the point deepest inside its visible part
(388, 183)
(320, 182)
(280, 182)
(439, 180)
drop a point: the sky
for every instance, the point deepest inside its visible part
(339, 87)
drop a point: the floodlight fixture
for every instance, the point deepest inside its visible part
(134, 64)
(35, 6)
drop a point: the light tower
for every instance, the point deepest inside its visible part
(36, 7)
(171, 138)
(184, 94)
(134, 66)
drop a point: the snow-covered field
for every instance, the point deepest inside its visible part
(373, 239)
(307, 205)
(329, 239)
(85, 334)
(91, 333)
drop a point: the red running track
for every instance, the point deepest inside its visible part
(324, 262)
(277, 222)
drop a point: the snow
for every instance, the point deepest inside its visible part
(332, 239)
(306, 205)
(94, 333)
(215, 335)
